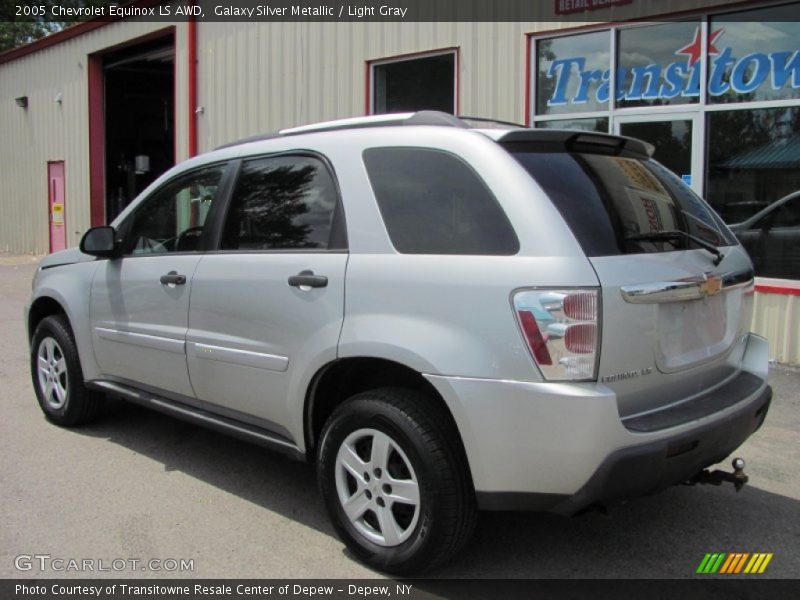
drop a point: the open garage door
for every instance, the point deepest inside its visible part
(139, 101)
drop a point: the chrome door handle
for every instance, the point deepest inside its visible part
(172, 279)
(307, 279)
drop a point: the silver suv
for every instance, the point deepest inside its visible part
(444, 316)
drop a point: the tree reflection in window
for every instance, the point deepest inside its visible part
(281, 203)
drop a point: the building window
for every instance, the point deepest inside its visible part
(754, 56)
(572, 73)
(656, 68)
(753, 159)
(419, 83)
(718, 96)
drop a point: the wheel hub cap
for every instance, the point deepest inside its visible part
(52, 370)
(377, 487)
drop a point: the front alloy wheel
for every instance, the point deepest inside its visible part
(53, 376)
(57, 376)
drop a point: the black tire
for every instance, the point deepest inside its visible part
(424, 433)
(78, 404)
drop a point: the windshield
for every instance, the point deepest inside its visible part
(614, 204)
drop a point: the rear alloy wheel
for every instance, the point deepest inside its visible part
(394, 479)
(377, 487)
(57, 376)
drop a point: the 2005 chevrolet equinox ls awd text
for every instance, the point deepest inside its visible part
(444, 316)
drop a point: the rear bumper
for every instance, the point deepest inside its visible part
(563, 447)
(647, 468)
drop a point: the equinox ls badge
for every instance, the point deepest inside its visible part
(626, 375)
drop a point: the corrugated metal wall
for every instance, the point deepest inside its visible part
(775, 316)
(253, 77)
(48, 130)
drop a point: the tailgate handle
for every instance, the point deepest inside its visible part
(693, 288)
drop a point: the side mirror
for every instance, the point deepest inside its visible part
(100, 242)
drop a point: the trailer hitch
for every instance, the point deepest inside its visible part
(717, 477)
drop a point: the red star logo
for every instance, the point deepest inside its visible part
(694, 50)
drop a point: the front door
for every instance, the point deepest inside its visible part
(55, 205)
(676, 137)
(140, 301)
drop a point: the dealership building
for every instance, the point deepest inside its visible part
(89, 116)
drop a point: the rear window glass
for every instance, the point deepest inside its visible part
(606, 200)
(432, 202)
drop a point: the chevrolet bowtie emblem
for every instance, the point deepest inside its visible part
(712, 285)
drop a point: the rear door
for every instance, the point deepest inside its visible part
(267, 307)
(140, 301)
(673, 308)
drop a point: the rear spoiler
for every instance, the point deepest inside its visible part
(577, 141)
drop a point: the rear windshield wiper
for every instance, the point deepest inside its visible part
(675, 234)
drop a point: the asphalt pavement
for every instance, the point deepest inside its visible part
(139, 486)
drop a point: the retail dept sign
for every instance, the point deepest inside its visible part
(569, 7)
(741, 75)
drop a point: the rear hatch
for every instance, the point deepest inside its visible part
(676, 289)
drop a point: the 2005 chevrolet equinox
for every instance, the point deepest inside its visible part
(444, 316)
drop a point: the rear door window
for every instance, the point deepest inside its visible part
(608, 199)
(281, 203)
(432, 202)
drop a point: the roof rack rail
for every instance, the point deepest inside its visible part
(421, 117)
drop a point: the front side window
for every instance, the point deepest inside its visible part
(172, 219)
(432, 202)
(281, 203)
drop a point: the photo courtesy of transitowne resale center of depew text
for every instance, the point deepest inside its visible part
(416, 299)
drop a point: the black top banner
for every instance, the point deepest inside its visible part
(578, 11)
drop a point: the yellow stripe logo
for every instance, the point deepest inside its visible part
(734, 563)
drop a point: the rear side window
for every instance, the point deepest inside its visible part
(432, 202)
(606, 200)
(281, 202)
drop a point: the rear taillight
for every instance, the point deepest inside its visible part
(561, 329)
